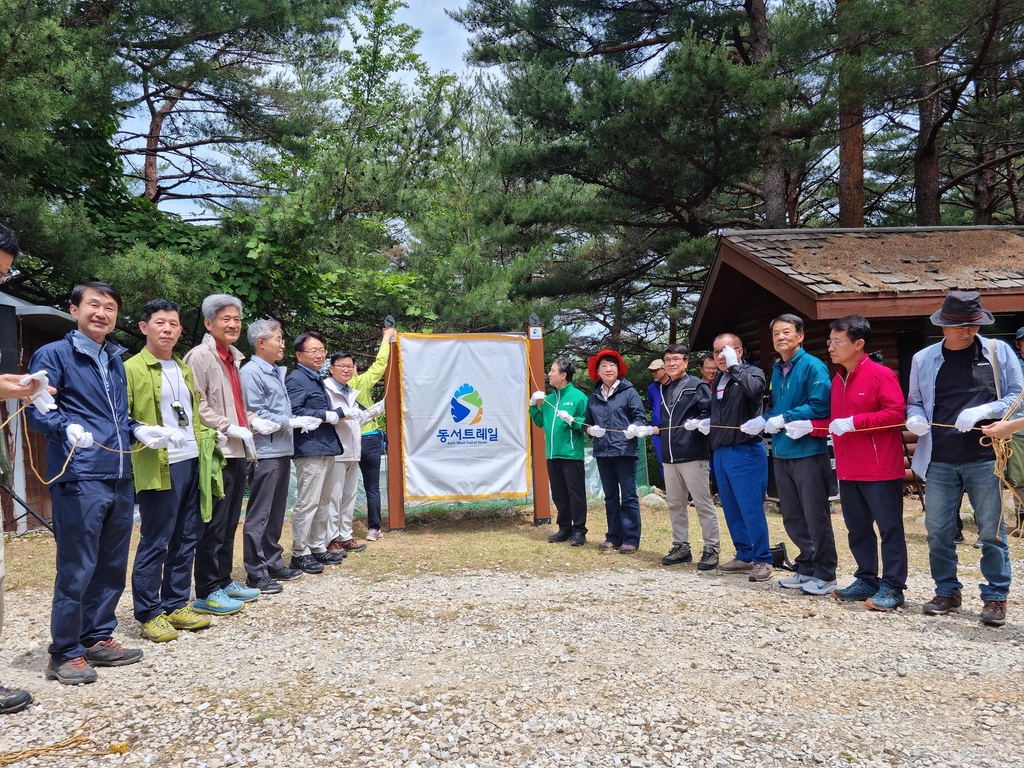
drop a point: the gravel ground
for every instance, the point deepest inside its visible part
(628, 667)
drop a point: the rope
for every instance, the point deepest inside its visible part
(1002, 448)
(11, 417)
(82, 743)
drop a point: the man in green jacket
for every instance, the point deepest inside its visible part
(560, 415)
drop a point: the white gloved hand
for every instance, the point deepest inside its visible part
(78, 437)
(644, 431)
(305, 423)
(537, 397)
(799, 428)
(918, 425)
(222, 440)
(841, 426)
(331, 417)
(41, 397)
(691, 424)
(240, 432)
(631, 432)
(704, 426)
(264, 426)
(152, 436)
(774, 424)
(730, 356)
(565, 416)
(753, 427)
(596, 431)
(970, 416)
(371, 413)
(178, 438)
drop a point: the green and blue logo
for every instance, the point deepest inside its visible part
(463, 403)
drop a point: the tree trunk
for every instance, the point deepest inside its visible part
(929, 135)
(851, 123)
(774, 187)
(984, 151)
(150, 166)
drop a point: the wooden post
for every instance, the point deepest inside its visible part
(541, 495)
(393, 420)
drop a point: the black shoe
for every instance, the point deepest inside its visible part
(940, 605)
(680, 553)
(708, 560)
(306, 564)
(559, 536)
(13, 700)
(959, 538)
(329, 558)
(285, 574)
(265, 584)
(578, 540)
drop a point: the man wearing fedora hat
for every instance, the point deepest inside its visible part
(956, 385)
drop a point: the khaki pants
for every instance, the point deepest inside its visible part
(691, 478)
(314, 477)
(343, 500)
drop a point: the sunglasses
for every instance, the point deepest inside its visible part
(181, 413)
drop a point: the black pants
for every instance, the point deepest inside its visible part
(865, 505)
(569, 492)
(264, 515)
(217, 546)
(369, 467)
(803, 500)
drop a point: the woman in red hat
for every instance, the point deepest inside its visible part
(617, 416)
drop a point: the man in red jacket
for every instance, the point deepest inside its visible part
(868, 409)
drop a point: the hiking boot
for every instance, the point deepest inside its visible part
(110, 653)
(857, 592)
(265, 584)
(559, 536)
(994, 613)
(352, 546)
(607, 546)
(887, 599)
(159, 629)
(329, 558)
(186, 618)
(680, 553)
(70, 671)
(708, 560)
(374, 534)
(735, 566)
(218, 604)
(13, 700)
(578, 539)
(236, 591)
(305, 564)
(959, 538)
(818, 587)
(940, 605)
(761, 572)
(627, 549)
(795, 581)
(335, 545)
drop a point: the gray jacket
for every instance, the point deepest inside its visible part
(266, 395)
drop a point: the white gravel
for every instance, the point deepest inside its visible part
(607, 668)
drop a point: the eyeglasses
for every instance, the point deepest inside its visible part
(344, 367)
(314, 351)
(834, 342)
(670, 359)
(9, 275)
(181, 413)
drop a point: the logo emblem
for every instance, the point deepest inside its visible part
(464, 402)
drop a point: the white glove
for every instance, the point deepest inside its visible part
(596, 431)
(41, 398)
(631, 431)
(240, 432)
(371, 413)
(774, 424)
(305, 423)
(730, 356)
(331, 417)
(78, 437)
(970, 416)
(753, 427)
(565, 416)
(178, 437)
(153, 437)
(691, 424)
(704, 426)
(222, 440)
(264, 426)
(644, 431)
(799, 428)
(841, 426)
(537, 397)
(918, 425)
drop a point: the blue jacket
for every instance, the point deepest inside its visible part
(804, 394)
(82, 398)
(654, 403)
(309, 398)
(620, 410)
(266, 396)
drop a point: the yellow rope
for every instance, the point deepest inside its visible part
(11, 417)
(82, 741)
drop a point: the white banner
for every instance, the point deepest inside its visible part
(465, 422)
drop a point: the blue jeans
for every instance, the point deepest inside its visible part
(944, 485)
(618, 479)
(742, 475)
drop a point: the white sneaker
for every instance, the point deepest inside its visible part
(795, 581)
(818, 587)
(374, 534)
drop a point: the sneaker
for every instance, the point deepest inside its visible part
(374, 534)
(607, 546)
(795, 581)
(304, 564)
(186, 618)
(627, 549)
(13, 700)
(760, 572)
(977, 544)
(70, 671)
(818, 587)
(329, 558)
(735, 566)
(578, 539)
(559, 536)
(857, 592)
(959, 538)
(352, 546)
(940, 605)
(994, 613)
(887, 599)
(110, 653)
(708, 560)
(159, 629)
(236, 591)
(265, 584)
(285, 574)
(218, 604)
(335, 545)
(680, 553)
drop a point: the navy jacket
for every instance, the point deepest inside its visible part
(309, 398)
(742, 400)
(623, 408)
(683, 399)
(82, 398)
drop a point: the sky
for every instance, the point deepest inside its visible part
(444, 42)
